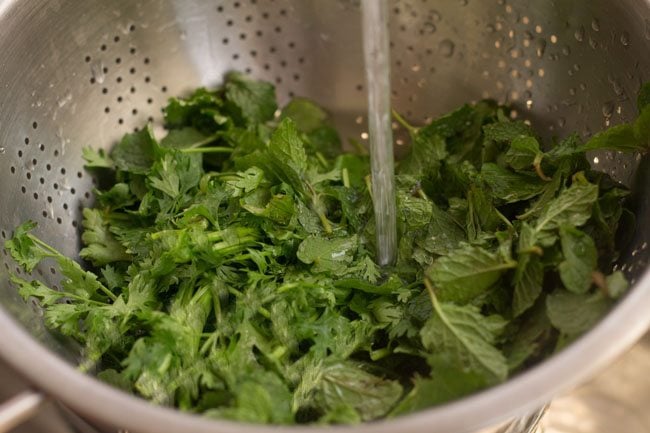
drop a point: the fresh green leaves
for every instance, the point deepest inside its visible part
(466, 273)
(229, 266)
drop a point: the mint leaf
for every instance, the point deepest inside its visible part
(347, 384)
(249, 101)
(511, 187)
(136, 152)
(580, 259)
(467, 337)
(466, 273)
(327, 255)
(523, 152)
(572, 313)
(572, 207)
(528, 281)
(506, 131)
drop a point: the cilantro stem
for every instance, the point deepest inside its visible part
(346, 177)
(214, 149)
(410, 128)
(321, 159)
(57, 256)
(537, 163)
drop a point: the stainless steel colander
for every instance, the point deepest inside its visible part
(77, 73)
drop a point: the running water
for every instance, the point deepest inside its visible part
(377, 60)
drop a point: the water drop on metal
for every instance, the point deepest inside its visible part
(580, 34)
(625, 39)
(446, 48)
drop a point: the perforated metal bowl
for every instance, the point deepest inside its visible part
(74, 74)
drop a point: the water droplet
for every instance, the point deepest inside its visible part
(592, 43)
(63, 101)
(490, 28)
(435, 15)
(561, 122)
(540, 47)
(183, 35)
(608, 109)
(446, 48)
(464, 2)
(528, 35)
(2, 150)
(572, 91)
(647, 29)
(566, 50)
(595, 25)
(97, 72)
(429, 27)
(580, 34)
(625, 39)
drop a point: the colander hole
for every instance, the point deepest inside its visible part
(87, 59)
(236, 5)
(35, 196)
(242, 36)
(58, 220)
(219, 8)
(147, 79)
(87, 195)
(103, 47)
(41, 181)
(120, 121)
(116, 39)
(149, 100)
(118, 79)
(278, 80)
(65, 206)
(291, 45)
(259, 33)
(272, 50)
(48, 167)
(134, 111)
(283, 63)
(105, 69)
(80, 174)
(12, 169)
(119, 99)
(104, 90)
(132, 50)
(26, 140)
(248, 71)
(55, 185)
(301, 60)
(278, 29)
(283, 12)
(147, 60)
(235, 56)
(132, 28)
(118, 60)
(225, 41)
(248, 18)
(229, 23)
(265, 15)
(132, 71)
(34, 161)
(296, 77)
(35, 125)
(23, 189)
(41, 147)
(20, 154)
(132, 89)
(253, 53)
(3, 234)
(266, 66)
(92, 80)
(75, 223)
(73, 191)
(359, 87)
(107, 110)
(28, 175)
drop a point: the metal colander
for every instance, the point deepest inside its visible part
(74, 74)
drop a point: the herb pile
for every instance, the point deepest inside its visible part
(231, 266)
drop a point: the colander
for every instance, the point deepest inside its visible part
(80, 73)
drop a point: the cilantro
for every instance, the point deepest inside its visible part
(229, 266)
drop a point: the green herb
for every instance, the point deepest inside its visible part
(230, 263)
